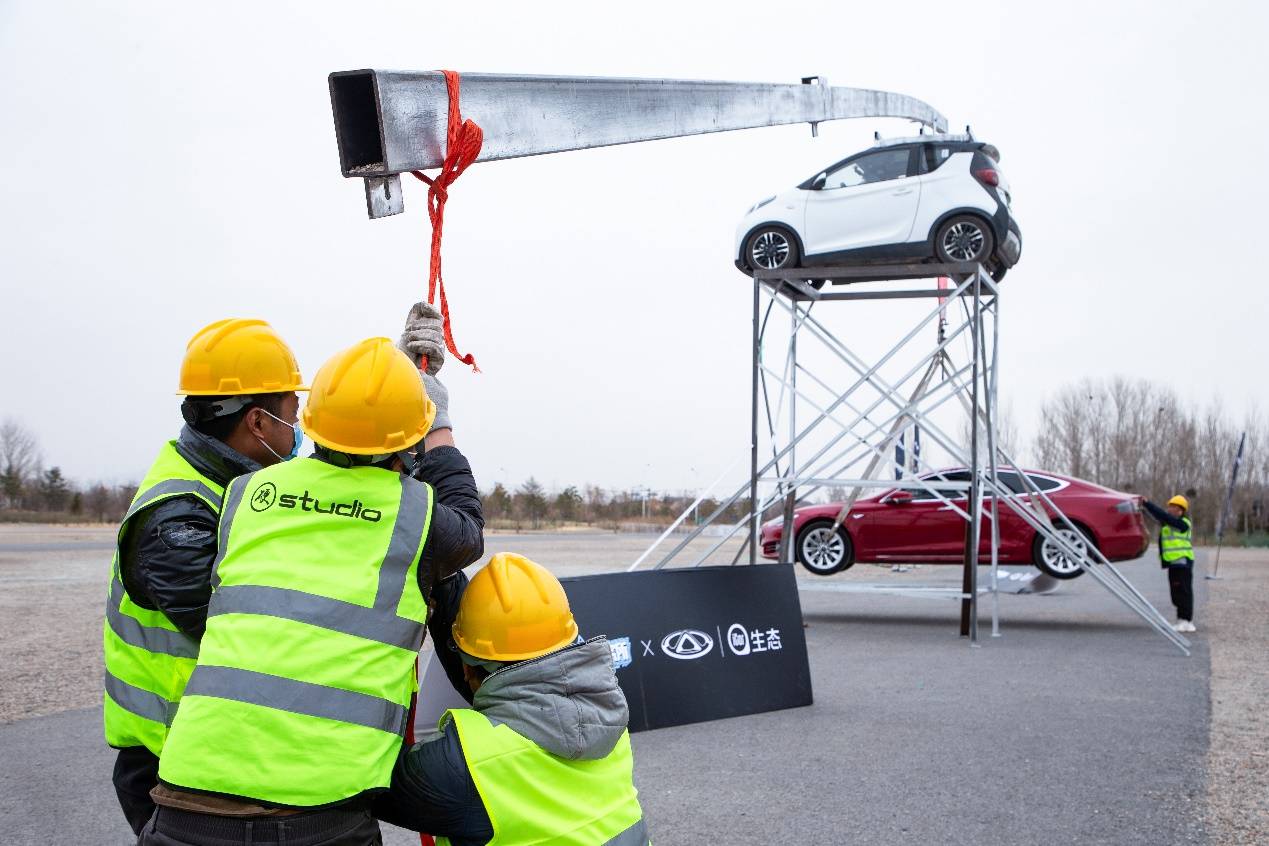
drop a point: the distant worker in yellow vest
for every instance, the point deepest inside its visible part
(239, 380)
(1176, 554)
(543, 756)
(295, 712)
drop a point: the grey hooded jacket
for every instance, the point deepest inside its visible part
(567, 702)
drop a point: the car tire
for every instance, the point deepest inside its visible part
(824, 550)
(771, 248)
(1052, 561)
(964, 237)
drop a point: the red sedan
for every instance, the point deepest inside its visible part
(915, 526)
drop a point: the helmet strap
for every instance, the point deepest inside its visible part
(409, 462)
(196, 411)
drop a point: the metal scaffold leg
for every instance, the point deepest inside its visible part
(847, 442)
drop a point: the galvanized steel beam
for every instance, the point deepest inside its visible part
(390, 122)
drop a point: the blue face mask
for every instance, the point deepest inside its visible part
(297, 442)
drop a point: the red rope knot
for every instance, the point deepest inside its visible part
(463, 140)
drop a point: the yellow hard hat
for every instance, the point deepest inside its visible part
(368, 400)
(1181, 501)
(513, 610)
(237, 356)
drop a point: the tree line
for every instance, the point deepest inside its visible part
(1140, 437)
(1130, 435)
(532, 506)
(31, 491)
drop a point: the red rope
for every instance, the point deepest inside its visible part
(463, 139)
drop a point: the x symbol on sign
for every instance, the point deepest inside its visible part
(647, 647)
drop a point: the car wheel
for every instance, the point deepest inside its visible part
(1053, 561)
(964, 238)
(824, 550)
(771, 248)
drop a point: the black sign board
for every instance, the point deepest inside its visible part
(699, 644)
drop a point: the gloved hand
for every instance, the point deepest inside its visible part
(439, 395)
(424, 335)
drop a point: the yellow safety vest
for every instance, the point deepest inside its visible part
(148, 660)
(534, 797)
(1174, 545)
(306, 670)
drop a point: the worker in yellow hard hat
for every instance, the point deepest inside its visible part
(295, 711)
(543, 755)
(1176, 555)
(239, 381)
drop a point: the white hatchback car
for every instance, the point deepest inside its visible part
(929, 198)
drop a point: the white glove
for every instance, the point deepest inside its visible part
(424, 335)
(439, 395)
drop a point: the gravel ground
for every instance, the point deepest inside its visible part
(1237, 627)
(53, 583)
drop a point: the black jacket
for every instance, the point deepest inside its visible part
(168, 550)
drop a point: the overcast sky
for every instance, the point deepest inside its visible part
(165, 165)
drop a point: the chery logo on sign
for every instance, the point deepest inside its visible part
(687, 644)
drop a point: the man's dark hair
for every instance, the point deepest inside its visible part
(199, 412)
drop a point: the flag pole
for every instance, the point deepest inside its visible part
(1229, 498)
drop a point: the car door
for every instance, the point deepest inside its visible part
(868, 201)
(922, 529)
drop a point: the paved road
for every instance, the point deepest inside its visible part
(1079, 725)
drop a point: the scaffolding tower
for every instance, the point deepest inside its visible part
(860, 415)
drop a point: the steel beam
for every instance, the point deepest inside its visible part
(390, 122)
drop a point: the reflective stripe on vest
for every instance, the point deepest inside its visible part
(532, 796)
(1176, 545)
(297, 697)
(303, 684)
(148, 660)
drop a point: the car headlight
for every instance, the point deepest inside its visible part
(760, 204)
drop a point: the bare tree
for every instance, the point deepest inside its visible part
(1140, 437)
(596, 500)
(97, 502)
(19, 460)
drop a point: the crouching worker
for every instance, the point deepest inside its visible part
(295, 711)
(543, 755)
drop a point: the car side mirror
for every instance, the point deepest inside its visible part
(899, 498)
(818, 184)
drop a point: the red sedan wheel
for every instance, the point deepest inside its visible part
(824, 550)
